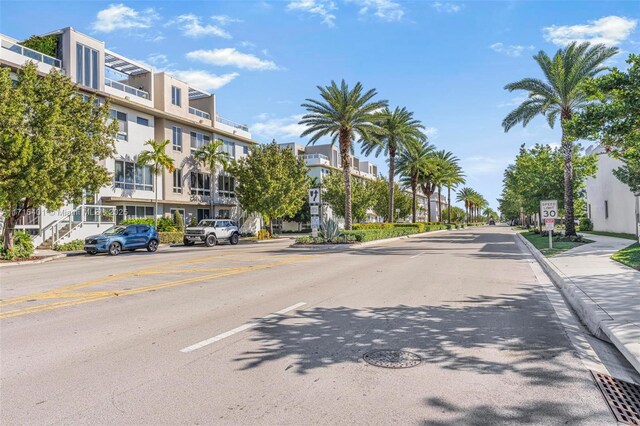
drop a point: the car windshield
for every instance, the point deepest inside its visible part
(116, 230)
(206, 222)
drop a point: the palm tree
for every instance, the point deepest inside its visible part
(466, 195)
(452, 178)
(560, 94)
(397, 127)
(447, 163)
(345, 115)
(159, 160)
(427, 182)
(412, 161)
(211, 155)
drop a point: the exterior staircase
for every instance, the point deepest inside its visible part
(83, 221)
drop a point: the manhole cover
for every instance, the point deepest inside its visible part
(623, 398)
(392, 359)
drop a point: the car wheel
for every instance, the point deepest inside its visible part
(115, 249)
(153, 246)
(210, 241)
(187, 242)
(234, 239)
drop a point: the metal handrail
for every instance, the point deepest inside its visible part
(231, 123)
(30, 53)
(68, 219)
(126, 88)
(199, 113)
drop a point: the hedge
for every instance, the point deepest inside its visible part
(75, 245)
(364, 235)
(420, 226)
(171, 237)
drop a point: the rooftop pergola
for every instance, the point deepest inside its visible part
(125, 66)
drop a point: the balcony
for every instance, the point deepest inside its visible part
(231, 123)
(32, 54)
(126, 88)
(199, 113)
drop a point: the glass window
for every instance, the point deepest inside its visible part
(200, 183)
(177, 138)
(87, 66)
(229, 148)
(226, 186)
(245, 149)
(177, 181)
(142, 121)
(129, 175)
(198, 140)
(176, 93)
(143, 229)
(122, 123)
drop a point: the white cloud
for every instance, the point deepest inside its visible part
(386, 10)
(483, 165)
(192, 26)
(247, 44)
(203, 79)
(321, 8)
(431, 132)
(224, 19)
(158, 59)
(447, 7)
(281, 129)
(513, 50)
(514, 102)
(609, 30)
(121, 17)
(231, 57)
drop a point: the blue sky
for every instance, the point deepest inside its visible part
(446, 61)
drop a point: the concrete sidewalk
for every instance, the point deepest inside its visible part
(604, 293)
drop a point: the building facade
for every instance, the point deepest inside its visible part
(611, 205)
(147, 105)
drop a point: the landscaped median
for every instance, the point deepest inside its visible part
(560, 244)
(629, 256)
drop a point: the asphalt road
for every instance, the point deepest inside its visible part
(180, 336)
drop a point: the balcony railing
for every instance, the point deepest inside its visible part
(199, 113)
(126, 88)
(314, 156)
(29, 53)
(233, 124)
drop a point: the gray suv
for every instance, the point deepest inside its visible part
(211, 231)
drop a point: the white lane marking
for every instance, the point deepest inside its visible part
(416, 255)
(239, 329)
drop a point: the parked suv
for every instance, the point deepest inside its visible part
(211, 231)
(119, 238)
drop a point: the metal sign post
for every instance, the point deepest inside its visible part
(314, 204)
(549, 212)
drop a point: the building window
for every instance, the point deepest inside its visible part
(200, 183)
(589, 206)
(226, 186)
(87, 66)
(224, 214)
(202, 214)
(176, 94)
(129, 175)
(198, 140)
(606, 209)
(245, 149)
(177, 181)
(177, 138)
(122, 123)
(142, 121)
(229, 148)
(133, 212)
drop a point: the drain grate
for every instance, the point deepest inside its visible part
(623, 398)
(387, 358)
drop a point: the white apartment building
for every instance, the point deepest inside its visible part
(611, 205)
(147, 105)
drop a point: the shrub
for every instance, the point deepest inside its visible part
(166, 224)
(74, 245)
(193, 221)
(178, 220)
(364, 235)
(585, 224)
(140, 221)
(340, 239)
(43, 44)
(171, 237)
(330, 228)
(358, 226)
(263, 234)
(22, 247)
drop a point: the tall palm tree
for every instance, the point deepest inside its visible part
(452, 179)
(427, 182)
(397, 127)
(412, 161)
(466, 195)
(159, 160)
(447, 163)
(345, 115)
(211, 156)
(560, 94)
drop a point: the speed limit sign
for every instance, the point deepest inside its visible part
(549, 209)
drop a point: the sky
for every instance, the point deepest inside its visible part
(446, 61)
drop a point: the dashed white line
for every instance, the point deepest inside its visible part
(416, 255)
(237, 330)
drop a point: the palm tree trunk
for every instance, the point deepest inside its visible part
(449, 204)
(345, 156)
(428, 207)
(414, 189)
(155, 216)
(567, 150)
(392, 171)
(439, 203)
(211, 196)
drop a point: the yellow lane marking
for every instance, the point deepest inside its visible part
(101, 295)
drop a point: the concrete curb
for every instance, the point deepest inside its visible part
(33, 262)
(358, 246)
(623, 335)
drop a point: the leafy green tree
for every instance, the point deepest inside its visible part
(345, 115)
(333, 190)
(456, 214)
(412, 162)
(271, 181)
(613, 118)
(159, 160)
(304, 213)
(380, 204)
(51, 143)
(397, 127)
(211, 156)
(560, 95)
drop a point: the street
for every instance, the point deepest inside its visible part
(266, 334)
